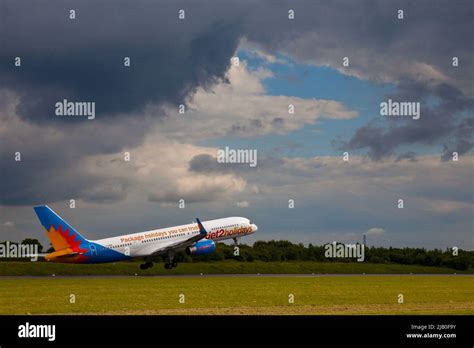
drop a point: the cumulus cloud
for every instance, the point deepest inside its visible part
(158, 169)
(240, 106)
(375, 231)
(75, 165)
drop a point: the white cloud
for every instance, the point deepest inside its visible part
(159, 170)
(375, 231)
(254, 50)
(241, 107)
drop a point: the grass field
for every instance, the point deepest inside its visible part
(220, 267)
(239, 295)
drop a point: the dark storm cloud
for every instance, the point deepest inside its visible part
(70, 182)
(82, 59)
(447, 118)
(51, 167)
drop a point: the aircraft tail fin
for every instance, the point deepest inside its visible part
(60, 233)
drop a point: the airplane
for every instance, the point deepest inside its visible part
(195, 239)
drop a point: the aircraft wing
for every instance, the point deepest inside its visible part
(183, 244)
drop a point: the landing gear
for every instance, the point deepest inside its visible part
(171, 265)
(236, 241)
(171, 262)
(146, 265)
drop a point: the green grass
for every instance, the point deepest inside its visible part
(239, 295)
(219, 267)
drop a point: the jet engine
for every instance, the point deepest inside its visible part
(202, 247)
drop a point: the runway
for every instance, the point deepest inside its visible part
(235, 276)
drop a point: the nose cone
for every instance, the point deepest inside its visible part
(254, 227)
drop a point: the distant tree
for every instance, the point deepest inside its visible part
(32, 241)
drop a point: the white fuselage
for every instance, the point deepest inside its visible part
(145, 243)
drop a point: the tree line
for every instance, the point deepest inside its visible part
(281, 250)
(271, 251)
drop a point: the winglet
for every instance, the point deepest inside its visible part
(202, 230)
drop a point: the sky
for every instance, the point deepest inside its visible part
(282, 61)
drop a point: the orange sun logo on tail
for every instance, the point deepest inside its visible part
(64, 243)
